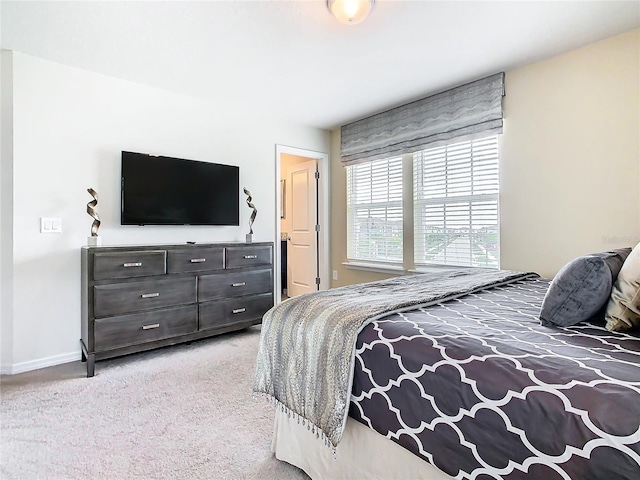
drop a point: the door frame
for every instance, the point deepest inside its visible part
(323, 214)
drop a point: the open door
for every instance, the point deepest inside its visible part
(302, 248)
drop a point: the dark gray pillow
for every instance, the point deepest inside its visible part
(581, 288)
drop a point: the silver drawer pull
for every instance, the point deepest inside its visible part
(132, 264)
(149, 327)
(251, 256)
(150, 295)
(239, 284)
(198, 260)
(239, 310)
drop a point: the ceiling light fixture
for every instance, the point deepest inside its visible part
(350, 12)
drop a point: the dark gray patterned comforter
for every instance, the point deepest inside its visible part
(478, 388)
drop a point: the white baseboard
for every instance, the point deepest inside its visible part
(39, 363)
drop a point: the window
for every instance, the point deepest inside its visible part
(456, 204)
(374, 211)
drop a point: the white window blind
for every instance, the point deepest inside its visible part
(374, 211)
(456, 191)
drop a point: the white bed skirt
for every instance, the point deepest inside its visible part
(362, 453)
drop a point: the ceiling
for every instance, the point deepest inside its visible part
(292, 61)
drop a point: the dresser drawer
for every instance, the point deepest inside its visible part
(227, 312)
(235, 284)
(195, 260)
(143, 327)
(135, 296)
(129, 264)
(248, 256)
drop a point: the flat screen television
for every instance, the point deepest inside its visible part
(157, 190)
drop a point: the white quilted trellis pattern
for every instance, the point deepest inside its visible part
(477, 387)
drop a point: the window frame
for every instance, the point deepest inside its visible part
(377, 196)
(472, 198)
(407, 263)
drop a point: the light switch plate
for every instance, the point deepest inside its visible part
(50, 225)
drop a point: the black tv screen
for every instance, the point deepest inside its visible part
(159, 190)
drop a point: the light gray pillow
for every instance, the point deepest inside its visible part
(581, 288)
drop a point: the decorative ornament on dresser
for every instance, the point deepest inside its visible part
(253, 214)
(94, 240)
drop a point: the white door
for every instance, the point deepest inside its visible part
(302, 251)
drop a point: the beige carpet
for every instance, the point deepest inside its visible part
(183, 412)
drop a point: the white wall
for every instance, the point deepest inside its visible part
(6, 202)
(570, 156)
(70, 127)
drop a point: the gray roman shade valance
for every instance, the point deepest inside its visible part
(462, 113)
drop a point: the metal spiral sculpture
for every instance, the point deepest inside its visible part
(251, 205)
(92, 212)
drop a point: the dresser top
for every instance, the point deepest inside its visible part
(174, 246)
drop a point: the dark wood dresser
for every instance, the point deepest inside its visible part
(144, 297)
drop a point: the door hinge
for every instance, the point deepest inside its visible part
(317, 175)
(317, 228)
(317, 280)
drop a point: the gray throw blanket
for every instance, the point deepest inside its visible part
(305, 359)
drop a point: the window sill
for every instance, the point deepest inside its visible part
(375, 267)
(434, 268)
(398, 269)
(441, 268)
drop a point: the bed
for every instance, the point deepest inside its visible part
(449, 376)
